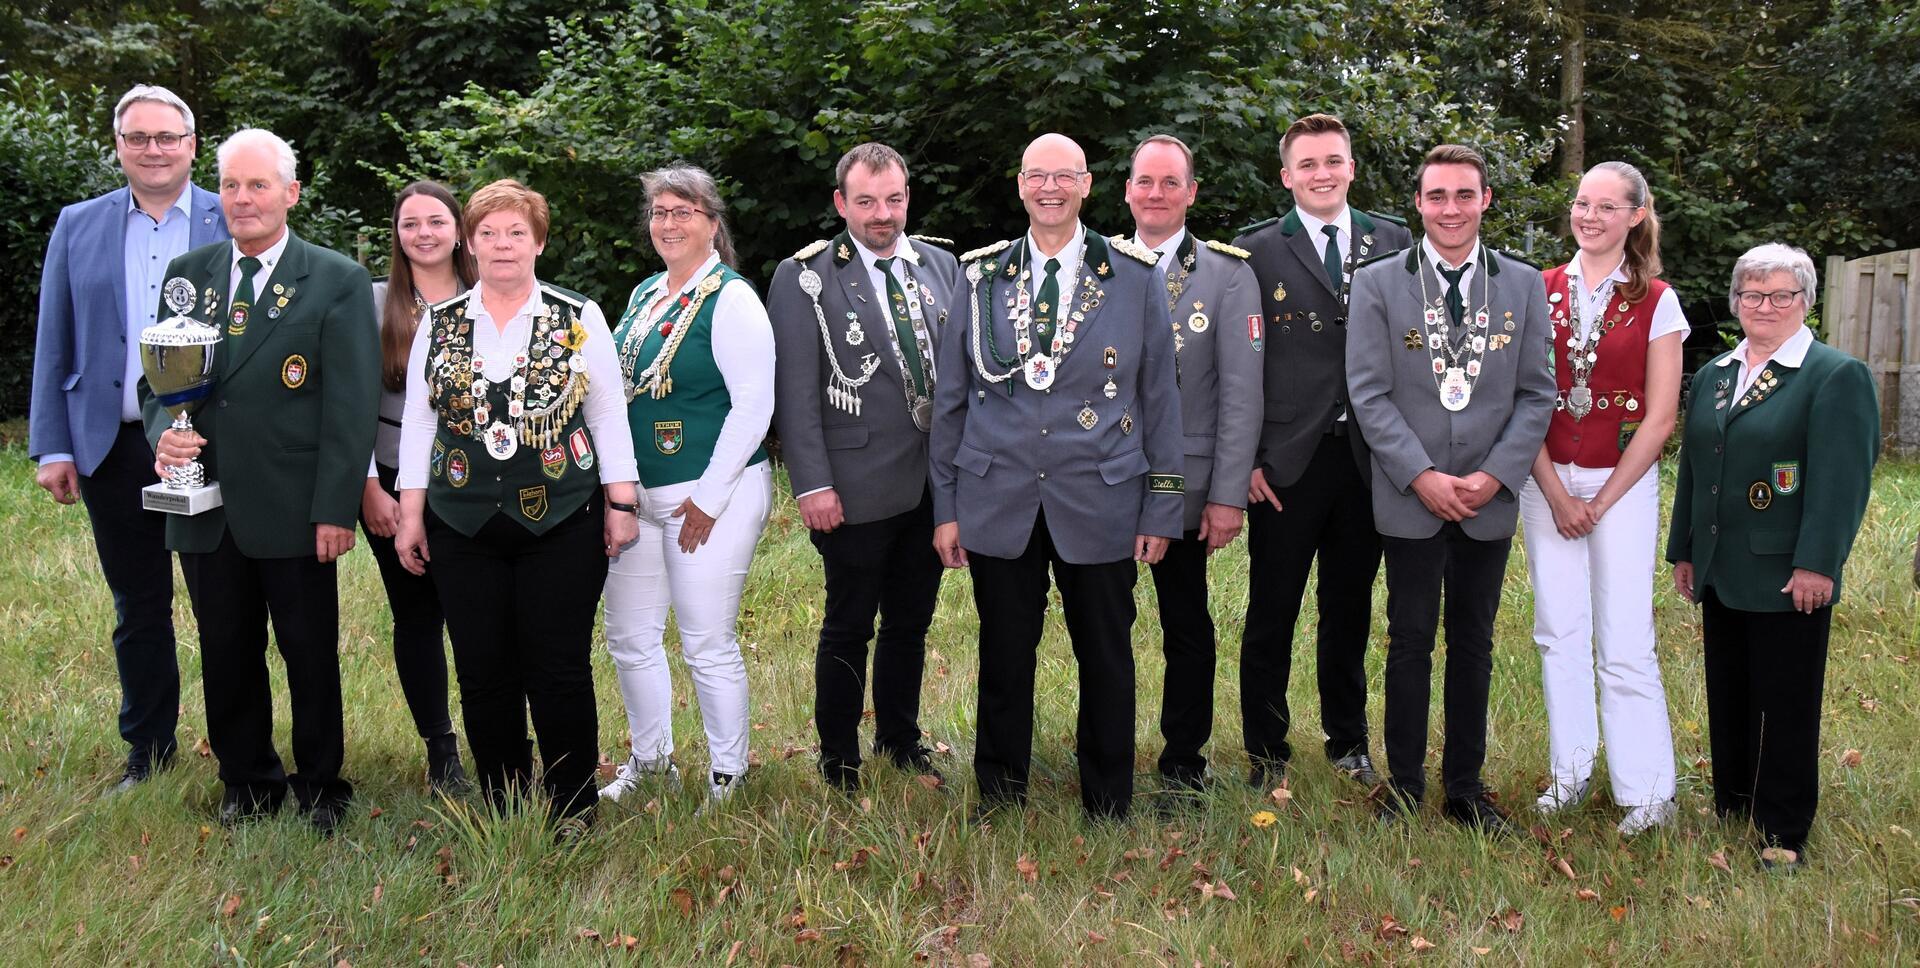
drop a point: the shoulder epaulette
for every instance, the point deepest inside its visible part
(810, 250)
(1129, 247)
(436, 307)
(1232, 250)
(933, 240)
(986, 250)
(1263, 223)
(1395, 219)
(576, 302)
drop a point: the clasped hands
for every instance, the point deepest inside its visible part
(1453, 498)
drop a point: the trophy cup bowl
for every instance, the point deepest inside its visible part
(177, 355)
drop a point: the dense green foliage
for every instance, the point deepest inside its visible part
(1755, 120)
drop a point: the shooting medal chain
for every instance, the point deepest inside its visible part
(843, 391)
(1583, 346)
(1039, 367)
(1456, 366)
(550, 368)
(657, 380)
(919, 406)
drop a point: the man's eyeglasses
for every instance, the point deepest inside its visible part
(1040, 179)
(167, 140)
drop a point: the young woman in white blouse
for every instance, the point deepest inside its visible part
(697, 350)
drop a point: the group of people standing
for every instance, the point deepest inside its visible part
(1050, 410)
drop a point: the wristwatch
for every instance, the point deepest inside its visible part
(633, 509)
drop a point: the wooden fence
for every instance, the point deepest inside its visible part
(1872, 310)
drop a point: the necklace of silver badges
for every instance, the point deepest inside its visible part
(1039, 367)
(1583, 344)
(1456, 367)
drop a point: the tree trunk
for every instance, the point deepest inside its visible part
(1573, 84)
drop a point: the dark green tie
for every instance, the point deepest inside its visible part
(1455, 304)
(1049, 303)
(1332, 257)
(243, 294)
(903, 325)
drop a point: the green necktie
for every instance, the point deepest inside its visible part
(1456, 306)
(1332, 257)
(1049, 303)
(243, 295)
(903, 325)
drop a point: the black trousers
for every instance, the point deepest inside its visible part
(1186, 639)
(132, 545)
(1010, 595)
(1418, 571)
(1765, 673)
(520, 610)
(419, 650)
(1328, 513)
(886, 568)
(234, 597)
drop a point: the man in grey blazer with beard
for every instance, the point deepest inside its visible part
(1056, 448)
(1214, 301)
(1448, 375)
(856, 321)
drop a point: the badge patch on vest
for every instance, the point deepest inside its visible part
(457, 467)
(582, 450)
(533, 502)
(1759, 496)
(1786, 476)
(666, 436)
(293, 372)
(1626, 434)
(438, 465)
(553, 462)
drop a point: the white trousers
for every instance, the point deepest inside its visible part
(1595, 595)
(703, 589)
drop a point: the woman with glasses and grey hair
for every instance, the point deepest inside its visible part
(1776, 463)
(697, 350)
(1592, 505)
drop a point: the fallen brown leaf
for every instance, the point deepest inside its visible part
(1421, 944)
(1850, 758)
(1719, 859)
(1095, 937)
(929, 781)
(230, 905)
(1587, 894)
(1029, 869)
(1618, 912)
(682, 901)
(807, 935)
(587, 934)
(1511, 920)
(202, 747)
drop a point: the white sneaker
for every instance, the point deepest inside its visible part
(1642, 819)
(636, 771)
(1561, 796)
(720, 788)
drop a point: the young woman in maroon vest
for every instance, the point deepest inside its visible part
(1591, 508)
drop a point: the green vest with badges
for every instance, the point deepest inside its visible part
(677, 399)
(519, 448)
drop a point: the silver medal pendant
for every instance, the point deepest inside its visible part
(1580, 401)
(1039, 369)
(1111, 390)
(922, 412)
(502, 442)
(855, 335)
(1455, 391)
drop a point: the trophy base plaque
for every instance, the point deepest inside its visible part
(180, 500)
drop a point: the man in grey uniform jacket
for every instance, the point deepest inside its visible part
(856, 321)
(1056, 443)
(1309, 496)
(1448, 375)
(1214, 303)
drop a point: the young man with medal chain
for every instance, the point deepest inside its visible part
(1445, 470)
(1309, 501)
(858, 465)
(1214, 304)
(1056, 446)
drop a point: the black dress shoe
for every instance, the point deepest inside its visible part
(142, 764)
(918, 761)
(1265, 775)
(1394, 810)
(444, 772)
(328, 815)
(1478, 812)
(239, 807)
(1358, 767)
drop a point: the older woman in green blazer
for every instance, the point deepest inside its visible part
(1775, 468)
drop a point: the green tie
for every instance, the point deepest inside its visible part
(243, 295)
(1455, 304)
(1049, 303)
(1332, 257)
(903, 325)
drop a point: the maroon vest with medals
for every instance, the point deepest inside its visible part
(1617, 385)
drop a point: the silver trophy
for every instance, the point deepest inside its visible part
(177, 355)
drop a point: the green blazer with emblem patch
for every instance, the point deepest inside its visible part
(1775, 480)
(290, 423)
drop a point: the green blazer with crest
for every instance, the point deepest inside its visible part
(1776, 479)
(290, 423)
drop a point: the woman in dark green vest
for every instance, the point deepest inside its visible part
(697, 350)
(1775, 469)
(516, 467)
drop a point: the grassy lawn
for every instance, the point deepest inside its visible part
(792, 874)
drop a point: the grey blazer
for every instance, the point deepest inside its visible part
(875, 459)
(1218, 364)
(1306, 361)
(1391, 384)
(1003, 452)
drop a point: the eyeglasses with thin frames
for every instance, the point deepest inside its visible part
(679, 216)
(167, 140)
(1604, 211)
(1041, 179)
(1750, 298)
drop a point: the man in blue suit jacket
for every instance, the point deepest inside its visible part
(100, 287)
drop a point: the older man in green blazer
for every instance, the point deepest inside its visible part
(287, 433)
